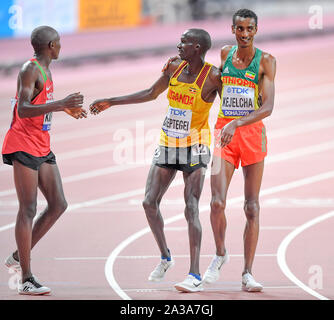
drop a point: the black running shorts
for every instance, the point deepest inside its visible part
(184, 159)
(28, 160)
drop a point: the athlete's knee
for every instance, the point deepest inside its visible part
(62, 206)
(149, 204)
(252, 209)
(191, 211)
(218, 205)
(58, 208)
(28, 210)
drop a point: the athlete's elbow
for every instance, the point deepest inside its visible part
(21, 112)
(153, 93)
(267, 112)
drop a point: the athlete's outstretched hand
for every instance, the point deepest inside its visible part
(99, 105)
(77, 113)
(74, 100)
(226, 134)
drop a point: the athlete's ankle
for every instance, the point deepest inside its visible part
(166, 256)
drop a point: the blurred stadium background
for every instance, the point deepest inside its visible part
(112, 29)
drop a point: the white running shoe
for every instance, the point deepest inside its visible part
(159, 272)
(249, 284)
(190, 284)
(13, 264)
(211, 275)
(32, 287)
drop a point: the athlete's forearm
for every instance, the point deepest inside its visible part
(138, 97)
(27, 110)
(257, 115)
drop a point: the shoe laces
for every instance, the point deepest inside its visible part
(248, 277)
(33, 281)
(215, 264)
(161, 266)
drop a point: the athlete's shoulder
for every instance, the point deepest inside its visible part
(268, 64)
(214, 72)
(225, 50)
(267, 58)
(29, 69)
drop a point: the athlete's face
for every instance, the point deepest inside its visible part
(244, 30)
(187, 46)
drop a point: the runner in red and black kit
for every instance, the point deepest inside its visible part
(27, 148)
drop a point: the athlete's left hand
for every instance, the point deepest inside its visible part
(77, 113)
(226, 134)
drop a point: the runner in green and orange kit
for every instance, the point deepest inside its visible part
(248, 77)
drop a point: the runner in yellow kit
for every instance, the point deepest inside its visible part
(184, 144)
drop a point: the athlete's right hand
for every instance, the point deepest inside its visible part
(99, 105)
(170, 60)
(74, 100)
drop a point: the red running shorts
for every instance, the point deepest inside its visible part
(248, 145)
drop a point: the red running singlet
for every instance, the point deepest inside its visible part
(31, 135)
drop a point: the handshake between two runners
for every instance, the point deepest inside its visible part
(73, 106)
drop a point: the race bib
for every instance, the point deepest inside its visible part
(199, 150)
(237, 101)
(177, 122)
(48, 116)
(47, 121)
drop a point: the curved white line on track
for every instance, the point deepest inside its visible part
(281, 252)
(109, 266)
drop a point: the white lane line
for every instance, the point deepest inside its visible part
(304, 127)
(177, 256)
(8, 226)
(325, 146)
(103, 200)
(223, 287)
(109, 266)
(276, 227)
(281, 253)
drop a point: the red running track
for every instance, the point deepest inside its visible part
(102, 248)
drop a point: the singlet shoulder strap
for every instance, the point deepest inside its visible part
(203, 74)
(179, 69)
(231, 52)
(40, 69)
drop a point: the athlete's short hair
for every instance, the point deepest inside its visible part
(41, 37)
(202, 37)
(245, 13)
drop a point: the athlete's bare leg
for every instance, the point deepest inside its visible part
(253, 177)
(49, 182)
(221, 175)
(193, 188)
(26, 182)
(157, 183)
